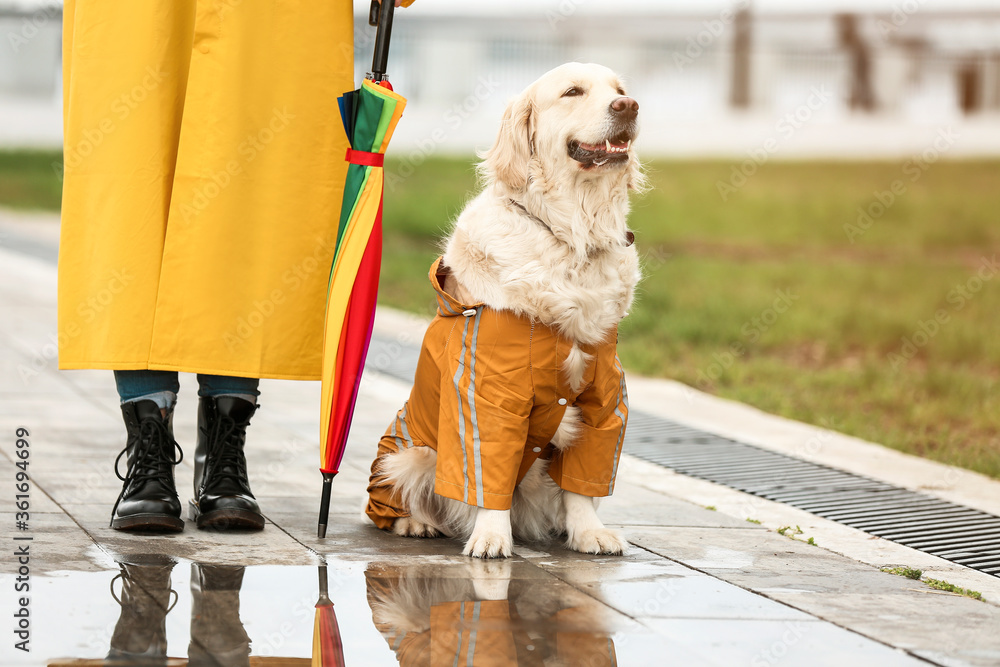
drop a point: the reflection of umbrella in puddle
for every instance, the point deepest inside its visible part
(484, 618)
(328, 648)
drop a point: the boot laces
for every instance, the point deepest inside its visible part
(226, 459)
(153, 459)
(123, 576)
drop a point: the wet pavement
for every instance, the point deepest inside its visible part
(697, 587)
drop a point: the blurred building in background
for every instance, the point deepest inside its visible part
(829, 78)
(30, 77)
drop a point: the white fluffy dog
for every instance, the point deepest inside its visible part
(546, 240)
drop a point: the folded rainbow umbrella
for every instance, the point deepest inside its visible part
(370, 115)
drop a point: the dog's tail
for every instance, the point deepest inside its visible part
(569, 429)
(537, 509)
(575, 365)
(410, 474)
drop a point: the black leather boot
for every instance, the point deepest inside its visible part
(148, 501)
(222, 496)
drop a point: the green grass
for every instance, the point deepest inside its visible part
(908, 572)
(29, 180)
(937, 584)
(952, 588)
(714, 269)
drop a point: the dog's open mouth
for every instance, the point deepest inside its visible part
(613, 151)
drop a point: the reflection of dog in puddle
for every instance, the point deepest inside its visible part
(477, 614)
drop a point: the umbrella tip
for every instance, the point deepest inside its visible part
(321, 531)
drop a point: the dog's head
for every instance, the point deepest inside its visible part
(575, 122)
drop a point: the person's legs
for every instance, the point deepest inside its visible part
(227, 385)
(222, 496)
(161, 387)
(148, 501)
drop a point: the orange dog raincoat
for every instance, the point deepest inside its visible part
(488, 396)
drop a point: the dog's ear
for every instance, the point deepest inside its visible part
(507, 160)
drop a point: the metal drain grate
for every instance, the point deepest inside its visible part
(954, 532)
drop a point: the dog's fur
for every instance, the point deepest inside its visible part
(545, 239)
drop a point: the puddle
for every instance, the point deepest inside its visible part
(154, 611)
(415, 610)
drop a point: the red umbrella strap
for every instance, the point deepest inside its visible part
(365, 158)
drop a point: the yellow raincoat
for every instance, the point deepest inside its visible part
(488, 396)
(204, 169)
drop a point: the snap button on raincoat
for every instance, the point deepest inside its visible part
(204, 170)
(487, 396)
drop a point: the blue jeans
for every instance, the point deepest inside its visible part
(136, 384)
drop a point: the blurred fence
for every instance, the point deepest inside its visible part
(30, 51)
(707, 83)
(690, 66)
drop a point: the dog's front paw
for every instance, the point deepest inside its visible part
(489, 544)
(599, 541)
(409, 527)
(491, 536)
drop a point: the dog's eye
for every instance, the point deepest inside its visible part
(573, 92)
(621, 91)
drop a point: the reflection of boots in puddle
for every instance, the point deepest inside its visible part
(140, 636)
(217, 634)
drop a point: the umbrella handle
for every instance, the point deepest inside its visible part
(324, 504)
(383, 12)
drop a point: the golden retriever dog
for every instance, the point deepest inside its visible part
(541, 265)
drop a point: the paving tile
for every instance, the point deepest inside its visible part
(349, 536)
(38, 501)
(269, 546)
(57, 543)
(635, 506)
(295, 508)
(767, 559)
(762, 642)
(897, 611)
(645, 592)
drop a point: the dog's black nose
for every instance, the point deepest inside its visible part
(625, 106)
